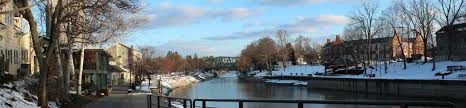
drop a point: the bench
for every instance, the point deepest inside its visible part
(461, 76)
(442, 74)
(455, 68)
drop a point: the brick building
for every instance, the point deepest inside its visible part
(381, 48)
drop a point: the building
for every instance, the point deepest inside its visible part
(12, 51)
(123, 63)
(381, 48)
(95, 68)
(456, 47)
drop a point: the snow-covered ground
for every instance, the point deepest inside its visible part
(14, 95)
(294, 70)
(173, 81)
(419, 71)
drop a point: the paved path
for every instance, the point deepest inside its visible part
(119, 99)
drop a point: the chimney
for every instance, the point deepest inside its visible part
(338, 39)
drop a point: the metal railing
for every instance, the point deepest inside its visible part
(300, 103)
(402, 104)
(169, 102)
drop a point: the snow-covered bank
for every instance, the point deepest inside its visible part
(301, 70)
(298, 70)
(417, 71)
(173, 81)
(287, 82)
(14, 95)
(414, 71)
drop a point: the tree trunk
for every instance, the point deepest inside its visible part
(69, 73)
(400, 44)
(425, 49)
(42, 92)
(81, 64)
(61, 80)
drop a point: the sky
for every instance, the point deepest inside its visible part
(225, 27)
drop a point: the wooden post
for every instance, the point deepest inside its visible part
(300, 105)
(158, 101)
(240, 104)
(169, 102)
(184, 103)
(203, 104)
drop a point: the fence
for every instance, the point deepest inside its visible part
(187, 103)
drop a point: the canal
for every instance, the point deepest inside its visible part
(228, 86)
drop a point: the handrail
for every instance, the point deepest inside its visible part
(185, 102)
(402, 104)
(192, 103)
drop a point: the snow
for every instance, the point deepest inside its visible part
(289, 82)
(15, 96)
(413, 71)
(298, 70)
(173, 81)
(418, 71)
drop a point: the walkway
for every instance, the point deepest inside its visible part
(120, 99)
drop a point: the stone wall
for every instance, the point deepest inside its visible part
(451, 89)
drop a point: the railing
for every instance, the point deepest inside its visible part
(300, 103)
(169, 102)
(402, 104)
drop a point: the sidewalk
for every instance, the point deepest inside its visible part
(119, 98)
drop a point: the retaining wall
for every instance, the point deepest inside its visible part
(451, 89)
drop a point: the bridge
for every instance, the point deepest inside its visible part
(169, 102)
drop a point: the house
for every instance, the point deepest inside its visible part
(11, 35)
(451, 43)
(124, 60)
(95, 68)
(381, 48)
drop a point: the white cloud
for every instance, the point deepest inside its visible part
(170, 15)
(299, 2)
(310, 24)
(242, 35)
(300, 25)
(236, 14)
(166, 15)
(199, 47)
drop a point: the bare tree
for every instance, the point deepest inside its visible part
(367, 17)
(100, 23)
(421, 14)
(267, 52)
(391, 17)
(282, 39)
(300, 45)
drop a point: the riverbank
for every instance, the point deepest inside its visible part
(414, 71)
(170, 82)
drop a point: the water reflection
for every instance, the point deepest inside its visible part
(239, 88)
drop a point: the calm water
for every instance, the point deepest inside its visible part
(229, 87)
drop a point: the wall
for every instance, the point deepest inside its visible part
(451, 89)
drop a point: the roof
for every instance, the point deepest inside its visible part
(114, 68)
(98, 50)
(456, 27)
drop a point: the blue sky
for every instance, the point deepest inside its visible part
(224, 27)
